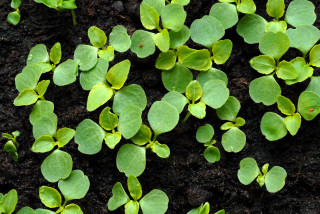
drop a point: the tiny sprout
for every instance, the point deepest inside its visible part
(8, 202)
(204, 135)
(14, 17)
(12, 145)
(204, 209)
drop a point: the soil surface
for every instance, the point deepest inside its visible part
(186, 177)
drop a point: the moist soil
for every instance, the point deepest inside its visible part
(186, 177)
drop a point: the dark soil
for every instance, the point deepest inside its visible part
(185, 176)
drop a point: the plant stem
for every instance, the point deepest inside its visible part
(73, 17)
(186, 117)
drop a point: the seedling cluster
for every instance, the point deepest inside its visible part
(164, 22)
(12, 145)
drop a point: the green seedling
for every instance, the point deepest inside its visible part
(274, 179)
(8, 202)
(204, 135)
(30, 96)
(243, 6)
(204, 209)
(14, 17)
(12, 145)
(61, 5)
(156, 201)
(275, 127)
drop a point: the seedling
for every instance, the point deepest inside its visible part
(243, 6)
(275, 127)
(14, 17)
(156, 201)
(12, 145)
(8, 202)
(274, 179)
(204, 209)
(204, 135)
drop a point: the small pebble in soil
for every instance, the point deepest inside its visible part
(118, 6)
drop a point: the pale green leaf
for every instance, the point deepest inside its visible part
(309, 105)
(198, 110)
(155, 202)
(194, 91)
(204, 133)
(221, 51)
(28, 78)
(248, 171)
(179, 38)
(50, 197)
(229, 110)
(55, 53)
(130, 121)
(212, 154)
(66, 73)
(272, 126)
(26, 97)
(215, 93)
(86, 57)
(97, 37)
(286, 71)
(285, 105)
(118, 74)
(149, 16)
(142, 43)
(175, 99)
(210, 74)
(263, 64)
(226, 13)
(99, 95)
(119, 39)
(143, 136)
(166, 60)
(43, 144)
(293, 123)
(275, 8)
(38, 53)
(119, 197)
(300, 12)
(162, 40)
(275, 179)
(251, 27)
(233, 140)
(134, 187)
(171, 22)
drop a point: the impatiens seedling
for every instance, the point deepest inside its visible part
(204, 209)
(243, 6)
(274, 179)
(155, 202)
(275, 127)
(14, 17)
(8, 202)
(204, 135)
(12, 145)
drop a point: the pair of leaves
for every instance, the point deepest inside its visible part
(204, 135)
(8, 202)
(30, 96)
(59, 5)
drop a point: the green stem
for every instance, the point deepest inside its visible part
(186, 117)
(73, 17)
(154, 137)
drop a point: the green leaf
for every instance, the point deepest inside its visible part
(276, 26)
(206, 31)
(97, 37)
(55, 53)
(112, 139)
(273, 126)
(45, 67)
(171, 22)
(205, 133)
(229, 110)
(72, 209)
(107, 54)
(275, 179)
(314, 85)
(274, 44)
(285, 105)
(315, 56)
(119, 39)
(43, 144)
(89, 137)
(155, 202)
(119, 197)
(37, 54)
(182, 2)
(275, 8)
(263, 64)
(95, 75)
(177, 78)
(42, 87)
(162, 150)
(15, 4)
(143, 136)
(248, 171)
(66, 73)
(212, 154)
(50, 197)
(28, 78)
(10, 147)
(26, 97)
(130, 121)
(44, 211)
(118, 74)
(304, 37)
(156, 4)
(9, 201)
(293, 123)
(286, 71)
(46, 125)
(162, 40)
(99, 95)
(75, 186)
(134, 187)
(221, 51)
(210, 74)
(86, 57)
(233, 140)
(194, 91)
(6, 135)
(264, 90)
(175, 99)
(195, 59)
(205, 209)
(129, 95)
(251, 28)
(132, 207)
(142, 43)
(179, 38)
(215, 93)
(227, 126)
(14, 18)
(108, 120)
(309, 105)
(26, 210)
(226, 13)
(198, 110)
(64, 135)
(166, 60)
(162, 117)
(39, 109)
(58, 165)
(246, 6)
(300, 12)
(149, 16)
(304, 70)
(131, 159)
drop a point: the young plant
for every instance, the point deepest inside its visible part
(243, 6)
(274, 179)
(156, 201)
(14, 17)
(12, 145)
(204, 209)
(204, 135)
(275, 127)
(8, 202)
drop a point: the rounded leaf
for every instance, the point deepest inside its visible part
(119, 39)
(66, 73)
(229, 110)
(274, 44)
(304, 70)
(248, 171)
(275, 179)
(108, 120)
(300, 12)
(285, 105)
(46, 125)
(112, 139)
(149, 16)
(50, 197)
(315, 55)
(9, 201)
(272, 126)
(97, 37)
(212, 154)
(43, 144)
(309, 105)
(293, 123)
(26, 97)
(227, 14)
(195, 59)
(37, 54)
(251, 27)
(64, 135)
(263, 64)
(215, 93)
(72, 209)
(55, 53)
(142, 43)
(155, 202)
(198, 110)
(175, 99)
(179, 38)
(210, 74)
(86, 57)
(130, 121)
(28, 78)
(39, 109)
(194, 91)
(119, 197)
(162, 40)
(118, 74)
(26, 210)
(166, 60)
(134, 187)
(286, 71)
(275, 8)
(233, 140)
(14, 18)
(246, 6)
(99, 95)
(205, 133)
(171, 22)
(143, 136)
(162, 150)
(221, 51)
